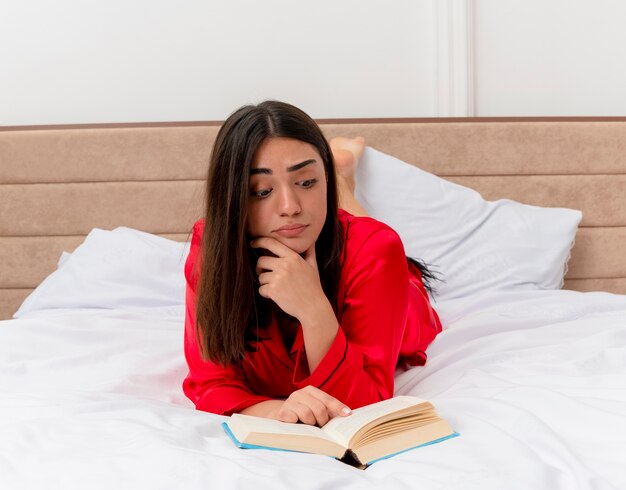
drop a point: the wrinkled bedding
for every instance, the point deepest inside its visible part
(534, 381)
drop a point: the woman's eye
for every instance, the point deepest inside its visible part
(261, 193)
(308, 183)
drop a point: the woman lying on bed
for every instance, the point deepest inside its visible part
(304, 306)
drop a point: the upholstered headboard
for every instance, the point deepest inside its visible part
(57, 183)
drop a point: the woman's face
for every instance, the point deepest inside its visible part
(287, 193)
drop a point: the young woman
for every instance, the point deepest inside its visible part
(298, 306)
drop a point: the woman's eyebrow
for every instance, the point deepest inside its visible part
(293, 168)
(300, 165)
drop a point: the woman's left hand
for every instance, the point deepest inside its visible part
(290, 280)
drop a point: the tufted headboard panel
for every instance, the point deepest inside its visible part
(59, 182)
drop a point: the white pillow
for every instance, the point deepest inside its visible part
(119, 269)
(474, 244)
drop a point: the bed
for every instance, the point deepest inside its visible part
(524, 218)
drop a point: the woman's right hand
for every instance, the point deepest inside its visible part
(308, 405)
(311, 406)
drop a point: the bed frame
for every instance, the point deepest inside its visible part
(59, 182)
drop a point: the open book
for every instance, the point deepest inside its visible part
(369, 433)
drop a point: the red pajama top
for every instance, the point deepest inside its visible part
(384, 317)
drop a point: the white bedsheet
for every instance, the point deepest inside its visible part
(534, 381)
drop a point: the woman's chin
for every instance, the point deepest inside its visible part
(298, 246)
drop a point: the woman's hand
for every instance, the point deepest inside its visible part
(311, 406)
(291, 281)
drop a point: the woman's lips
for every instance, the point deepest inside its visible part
(290, 231)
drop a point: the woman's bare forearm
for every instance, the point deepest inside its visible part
(319, 332)
(267, 409)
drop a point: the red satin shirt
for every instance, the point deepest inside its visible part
(384, 316)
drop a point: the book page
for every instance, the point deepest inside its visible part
(343, 428)
(254, 432)
(401, 441)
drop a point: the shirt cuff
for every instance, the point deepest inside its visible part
(338, 354)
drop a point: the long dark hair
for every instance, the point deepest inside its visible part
(229, 310)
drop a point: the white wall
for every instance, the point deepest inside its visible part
(81, 61)
(550, 57)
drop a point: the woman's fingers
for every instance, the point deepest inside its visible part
(299, 411)
(318, 410)
(264, 278)
(303, 412)
(285, 414)
(334, 406)
(277, 248)
(313, 406)
(265, 264)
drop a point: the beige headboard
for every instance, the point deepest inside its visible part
(57, 183)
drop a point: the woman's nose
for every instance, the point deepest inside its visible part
(289, 204)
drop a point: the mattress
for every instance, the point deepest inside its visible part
(534, 381)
